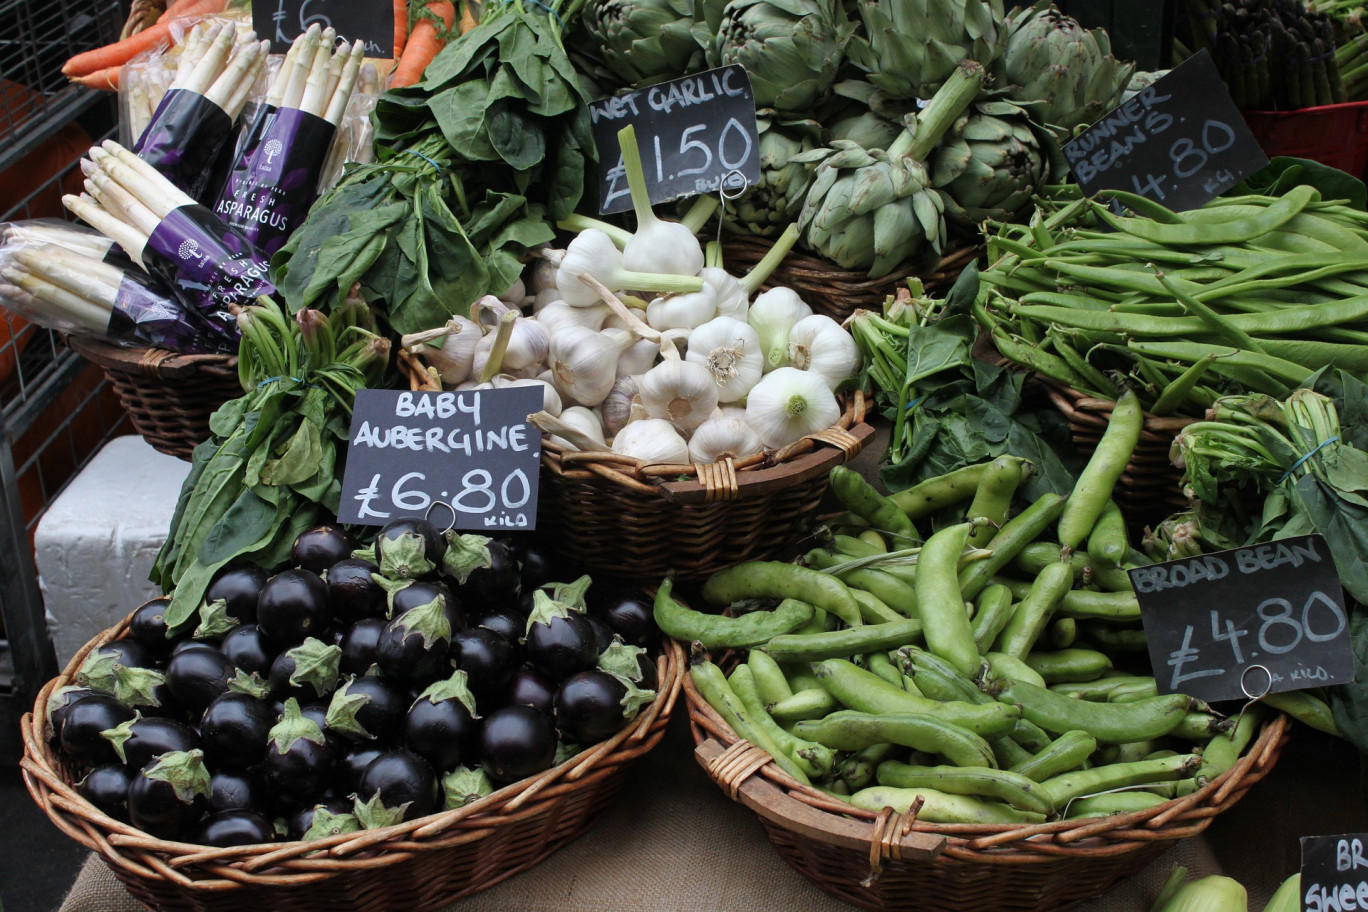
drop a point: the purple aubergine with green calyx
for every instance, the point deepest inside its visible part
(197, 675)
(84, 724)
(330, 818)
(148, 627)
(308, 671)
(248, 648)
(413, 647)
(464, 785)
(442, 724)
(231, 789)
(239, 587)
(106, 787)
(405, 595)
(358, 645)
(321, 547)
(293, 605)
(630, 662)
(235, 827)
(353, 593)
(299, 758)
(368, 709)
(592, 706)
(560, 640)
(487, 658)
(407, 548)
(517, 742)
(485, 569)
(169, 794)
(398, 785)
(234, 730)
(139, 741)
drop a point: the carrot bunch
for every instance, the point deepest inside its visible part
(99, 68)
(430, 33)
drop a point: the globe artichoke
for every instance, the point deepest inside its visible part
(910, 47)
(873, 209)
(641, 42)
(791, 49)
(773, 203)
(991, 162)
(1066, 73)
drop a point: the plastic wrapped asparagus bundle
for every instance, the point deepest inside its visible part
(210, 267)
(194, 120)
(280, 155)
(69, 291)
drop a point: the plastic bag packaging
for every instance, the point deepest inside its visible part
(54, 286)
(353, 143)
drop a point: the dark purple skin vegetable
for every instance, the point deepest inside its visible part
(319, 548)
(60, 703)
(298, 764)
(421, 592)
(353, 764)
(368, 709)
(560, 641)
(239, 587)
(594, 705)
(487, 658)
(630, 617)
(537, 561)
(517, 742)
(234, 730)
(196, 676)
(293, 605)
(250, 649)
(169, 794)
(441, 726)
(324, 812)
(396, 786)
(190, 644)
(496, 585)
(83, 725)
(409, 548)
(631, 662)
(531, 688)
(128, 653)
(306, 672)
(603, 634)
(148, 627)
(352, 592)
(236, 827)
(229, 790)
(106, 787)
(358, 645)
(413, 647)
(139, 741)
(114, 669)
(507, 622)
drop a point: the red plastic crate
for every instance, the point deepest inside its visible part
(1335, 135)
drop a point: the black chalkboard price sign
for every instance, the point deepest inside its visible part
(693, 133)
(370, 21)
(1265, 618)
(1180, 142)
(472, 454)
(1334, 872)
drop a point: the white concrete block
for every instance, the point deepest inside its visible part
(95, 545)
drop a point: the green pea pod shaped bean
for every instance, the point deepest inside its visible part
(808, 703)
(1040, 554)
(713, 687)
(769, 677)
(1067, 752)
(1107, 541)
(940, 681)
(1019, 531)
(880, 664)
(1201, 727)
(941, 807)
(1095, 483)
(860, 497)
(858, 769)
(890, 588)
(1100, 688)
(1306, 708)
(873, 609)
(866, 692)
(716, 631)
(1003, 667)
(776, 579)
(848, 641)
(945, 622)
(1109, 723)
(856, 546)
(1035, 610)
(1020, 792)
(993, 498)
(1082, 604)
(1221, 752)
(1111, 637)
(1063, 665)
(1007, 751)
(1062, 632)
(1066, 787)
(994, 610)
(1114, 803)
(848, 730)
(817, 760)
(933, 494)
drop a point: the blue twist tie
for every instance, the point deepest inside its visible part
(436, 167)
(538, 3)
(1297, 465)
(913, 404)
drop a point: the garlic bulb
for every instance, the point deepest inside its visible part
(819, 344)
(732, 299)
(526, 346)
(773, 314)
(718, 438)
(657, 245)
(582, 419)
(593, 253)
(558, 314)
(730, 350)
(788, 404)
(682, 311)
(515, 293)
(584, 362)
(682, 392)
(551, 400)
(639, 357)
(652, 440)
(622, 405)
(452, 360)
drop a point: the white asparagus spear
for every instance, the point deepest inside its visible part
(335, 65)
(313, 100)
(126, 236)
(211, 63)
(197, 44)
(139, 108)
(90, 279)
(238, 100)
(282, 76)
(148, 184)
(59, 301)
(294, 89)
(244, 59)
(179, 62)
(121, 204)
(369, 80)
(70, 238)
(337, 106)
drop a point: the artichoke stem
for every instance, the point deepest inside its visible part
(935, 120)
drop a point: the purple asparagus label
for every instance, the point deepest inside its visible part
(208, 265)
(145, 314)
(275, 174)
(184, 139)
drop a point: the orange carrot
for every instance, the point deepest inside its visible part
(423, 44)
(468, 20)
(106, 80)
(120, 52)
(174, 9)
(400, 27)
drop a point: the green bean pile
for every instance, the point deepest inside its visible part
(986, 667)
(1246, 294)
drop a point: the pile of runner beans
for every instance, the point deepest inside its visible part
(948, 649)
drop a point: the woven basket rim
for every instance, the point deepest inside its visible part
(296, 863)
(813, 267)
(149, 361)
(1171, 820)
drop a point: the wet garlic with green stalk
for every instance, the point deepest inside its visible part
(788, 404)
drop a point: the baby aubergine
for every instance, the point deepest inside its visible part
(397, 785)
(441, 725)
(169, 794)
(321, 547)
(298, 764)
(234, 730)
(517, 742)
(293, 605)
(592, 706)
(559, 639)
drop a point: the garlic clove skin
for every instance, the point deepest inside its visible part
(584, 420)
(543, 273)
(544, 297)
(730, 350)
(681, 392)
(773, 314)
(819, 344)
(453, 360)
(639, 357)
(621, 406)
(558, 314)
(788, 404)
(593, 252)
(551, 400)
(732, 300)
(652, 440)
(515, 293)
(664, 247)
(528, 345)
(682, 311)
(584, 362)
(720, 437)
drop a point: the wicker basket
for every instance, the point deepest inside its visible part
(169, 397)
(1151, 486)
(420, 865)
(829, 289)
(889, 861)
